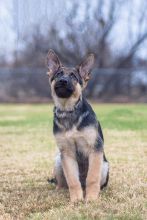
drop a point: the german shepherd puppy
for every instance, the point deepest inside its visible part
(81, 164)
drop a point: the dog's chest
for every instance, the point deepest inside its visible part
(73, 139)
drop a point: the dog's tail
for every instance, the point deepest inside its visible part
(52, 181)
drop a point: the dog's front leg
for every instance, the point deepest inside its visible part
(71, 172)
(94, 175)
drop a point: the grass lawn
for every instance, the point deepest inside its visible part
(27, 150)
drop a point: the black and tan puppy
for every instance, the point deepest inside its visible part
(81, 164)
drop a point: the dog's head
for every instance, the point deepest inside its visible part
(67, 83)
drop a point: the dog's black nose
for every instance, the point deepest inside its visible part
(63, 81)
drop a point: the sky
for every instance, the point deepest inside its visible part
(18, 16)
(7, 35)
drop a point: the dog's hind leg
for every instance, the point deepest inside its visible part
(104, 173)
(58, 173)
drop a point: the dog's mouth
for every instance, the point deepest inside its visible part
(63, 91)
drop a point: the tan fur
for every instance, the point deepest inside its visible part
(94, 176)
(85, 81)
(71, 172)
(84, 139)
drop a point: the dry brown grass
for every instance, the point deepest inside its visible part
(27, 150)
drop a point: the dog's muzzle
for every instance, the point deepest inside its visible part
(64, 88)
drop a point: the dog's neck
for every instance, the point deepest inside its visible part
(67, 105)
(68, 112)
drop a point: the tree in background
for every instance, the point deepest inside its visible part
(75, 28)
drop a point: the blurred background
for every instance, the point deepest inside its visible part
(114, 30)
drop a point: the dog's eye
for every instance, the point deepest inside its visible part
(58, 74)
(73, 76)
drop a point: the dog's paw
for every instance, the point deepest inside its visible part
(92, 192)
(91, 197)
(76, 196)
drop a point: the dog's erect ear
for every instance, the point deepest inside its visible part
(86, 66)
(52, 62)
